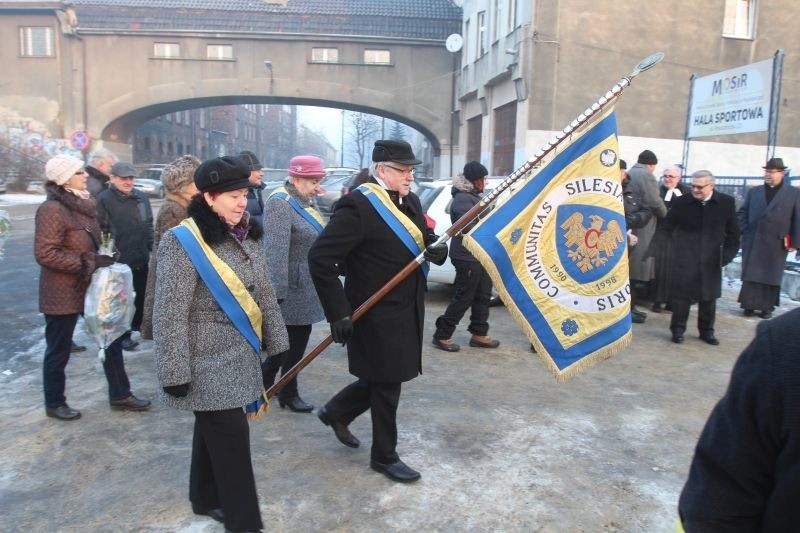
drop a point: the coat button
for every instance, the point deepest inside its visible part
(251, 288)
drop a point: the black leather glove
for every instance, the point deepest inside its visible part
(178, 391)
(101, 261)
(280, 301)
(436, 253)
(342, 330)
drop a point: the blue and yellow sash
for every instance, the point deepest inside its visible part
(230, 293)
(311, 215)
(401, 225)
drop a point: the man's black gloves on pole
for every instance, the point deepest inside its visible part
(342, 330)
(436, 253)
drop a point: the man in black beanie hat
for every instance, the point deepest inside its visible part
(255, 201)
(472, 286)
(374, 232)
(644, 186)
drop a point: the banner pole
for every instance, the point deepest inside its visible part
(602, 102)
(685, 157)
(775, 102)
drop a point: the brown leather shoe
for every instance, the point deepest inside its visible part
(62, 412)
(448, 345)
(131, 403)
(483, 341)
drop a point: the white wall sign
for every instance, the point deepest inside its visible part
(732, 101)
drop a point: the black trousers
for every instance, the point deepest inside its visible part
(221, 474)
(140, 286)
(382, 400)
(473, 288)
(706, 314)
(298, 340)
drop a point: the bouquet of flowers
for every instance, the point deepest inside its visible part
(5, 229)
(108, 306)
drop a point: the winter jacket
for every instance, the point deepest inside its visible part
(129, 219)
(287, 238)
(64, 246)
(195, 341)
(464, 198)
(645, 187)
(255, 203)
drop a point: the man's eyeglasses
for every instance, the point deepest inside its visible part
(700, 187)
(665, 176)
(79, 172)
(125, 177)
(405, 172)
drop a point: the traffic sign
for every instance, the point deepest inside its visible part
(79, 140)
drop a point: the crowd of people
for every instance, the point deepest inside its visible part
(229, 284)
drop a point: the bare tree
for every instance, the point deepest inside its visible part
(363, 128)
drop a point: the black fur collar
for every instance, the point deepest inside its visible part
(211, 227)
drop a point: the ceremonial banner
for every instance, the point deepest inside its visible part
(556, 251)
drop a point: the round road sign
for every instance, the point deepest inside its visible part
(79, 140)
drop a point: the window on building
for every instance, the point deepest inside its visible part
(219, 51)
(180, 148)
(739, 17)
(160, 147)
(505, 128)
(169, 148)
(496, 20)
(474, 126)
(178, 118)
(325, 55)
(481, 40)
(512, 15)
(147, 143)
(202, 118)
(166, 49)
(377, 57)
(36, 41)
(168, 117)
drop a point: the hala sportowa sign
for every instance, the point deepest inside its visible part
(732, 101)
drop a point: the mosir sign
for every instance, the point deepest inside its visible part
(732, 101)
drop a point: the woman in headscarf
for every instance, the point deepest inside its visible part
(215, 309)
(292, 225)
(66, 241)
(178, 180)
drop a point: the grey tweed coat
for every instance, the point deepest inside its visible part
(287, 238)
(195, 342)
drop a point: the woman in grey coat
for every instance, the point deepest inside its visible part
(207, 341)
(291, 226)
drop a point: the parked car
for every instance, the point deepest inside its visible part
(36, 187)
(149, 182)
(335, 178)
(2, 186)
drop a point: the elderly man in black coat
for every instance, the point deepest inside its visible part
(769, 213)
(373, 233)
(705, 238)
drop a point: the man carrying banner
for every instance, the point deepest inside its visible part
(373, 233)
(706, 238)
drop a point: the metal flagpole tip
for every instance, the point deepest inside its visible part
(647, 63)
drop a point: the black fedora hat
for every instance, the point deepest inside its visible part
(395, 151)
(776, 163)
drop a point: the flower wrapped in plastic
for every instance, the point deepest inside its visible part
(108, 307)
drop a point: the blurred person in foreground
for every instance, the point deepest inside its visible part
(769, 220)
(705, 239)
(745, 474)
(670, 189)
(374, 232)
(292, 224)
(215, 310)
(472, 288)
(178, 180)
(66, 241)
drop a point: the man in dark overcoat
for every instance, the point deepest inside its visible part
(769, 213)
(705, 238)
(367, 240)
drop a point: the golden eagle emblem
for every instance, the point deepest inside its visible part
(594, 244)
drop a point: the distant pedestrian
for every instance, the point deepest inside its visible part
(66, 241)
(255, 193)
(99, 170)
(125, 214)
(705, 238)
(291, 225)
(472, 288)
(769, 220)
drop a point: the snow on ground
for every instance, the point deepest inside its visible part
(20, 199)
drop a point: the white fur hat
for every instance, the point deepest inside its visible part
(61, 168)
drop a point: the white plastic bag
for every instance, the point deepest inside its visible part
(108, 307)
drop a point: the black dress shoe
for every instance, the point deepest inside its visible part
(446, 346)
(749, 312)
(656, 307)
(296, 404)
(677, 338)
(129, 344)
(398, 471)
(341, 431)
(75, 348)
(216, 514)
(62, 412)
(765, 314)
(131, 403)
(710, 339)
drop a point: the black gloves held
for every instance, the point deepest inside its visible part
(178, 391)
(436, 253)
(101, 261)
(342, 330)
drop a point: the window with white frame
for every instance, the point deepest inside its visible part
(219, 51)
(481, 33)
(166, 49)
(36, 41)
(325, 55)
(496, 20)
(512, 15)
(739, 19)
(377, 57)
